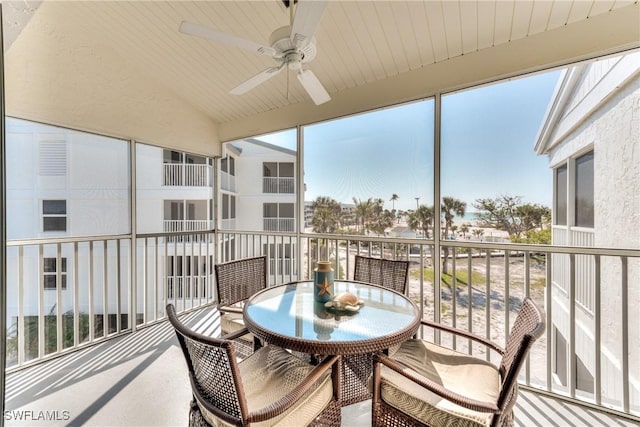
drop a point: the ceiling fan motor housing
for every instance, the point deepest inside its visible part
(280, 40)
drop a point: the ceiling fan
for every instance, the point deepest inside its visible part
(290, 46)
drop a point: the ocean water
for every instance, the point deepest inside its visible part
(469, 217)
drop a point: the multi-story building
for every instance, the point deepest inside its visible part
(591, 136)
(67, 190)
(258, 192)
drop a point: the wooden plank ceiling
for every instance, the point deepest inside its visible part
(358, 42)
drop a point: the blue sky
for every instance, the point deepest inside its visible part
(488, 134)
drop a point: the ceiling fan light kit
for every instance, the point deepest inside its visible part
(291, 45)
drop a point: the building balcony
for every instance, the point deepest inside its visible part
(280, 185)
(176, 225)
(187, 175)
(61, 342)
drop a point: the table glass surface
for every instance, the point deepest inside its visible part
(291, 311)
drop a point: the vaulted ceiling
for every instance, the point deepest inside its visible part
(370, 54)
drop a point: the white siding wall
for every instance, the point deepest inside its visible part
(96, 190)
(617, 212)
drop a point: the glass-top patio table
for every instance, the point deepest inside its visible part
(289, 317)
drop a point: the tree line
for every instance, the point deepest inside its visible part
(524, 222)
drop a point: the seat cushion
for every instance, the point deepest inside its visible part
(270, 373)
(458, 372)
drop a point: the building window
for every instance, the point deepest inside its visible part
(225, 206)
(228, 165)
(50, 273)
(278, 177)
(186, 215)
(279, 216)
(170, 156)
(54, 215)
(561, 195)
(228, 206)
(192, 159)
(584, 191)
(581, 199)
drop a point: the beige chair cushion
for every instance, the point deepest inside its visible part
(458, 372)
(270, 373)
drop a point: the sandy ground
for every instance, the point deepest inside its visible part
(496, 311)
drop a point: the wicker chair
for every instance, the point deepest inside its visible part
(382, 272)
(425, 384)
(236, 282)
(269, 387)
(357, 368)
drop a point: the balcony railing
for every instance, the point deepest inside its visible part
(187, 175)
(179, 225)
(278, 185)
(103, 295)
(480, 291)
(227, 182)
(287, 225)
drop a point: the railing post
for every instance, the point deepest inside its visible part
(597, 380)
(624, 317)
(3, 234)
(571, 380)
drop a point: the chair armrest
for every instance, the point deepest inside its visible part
(291, 398)
(465, 334)
(235, 334)
(475, 405)
(227, 309)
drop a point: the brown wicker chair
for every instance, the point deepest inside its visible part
(270, 386)
(388, 273)
(426, 384)
(357, 368)
(236, 282)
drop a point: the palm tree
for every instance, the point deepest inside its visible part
(327, 215)
(327, 218)
(368, 211)
(421, 219)
(393, 199)
(478, 232)
(464, 229)
(450, 208)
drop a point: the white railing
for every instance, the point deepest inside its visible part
(96, 295)
(187, 175)
(480, 292)
(480, 302)
(287, 225)
(172, 226)
(584, 265)
(278, 185)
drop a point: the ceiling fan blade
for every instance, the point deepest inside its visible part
(256, 80)
(207, 33)
(314, 88)
(307, 17)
